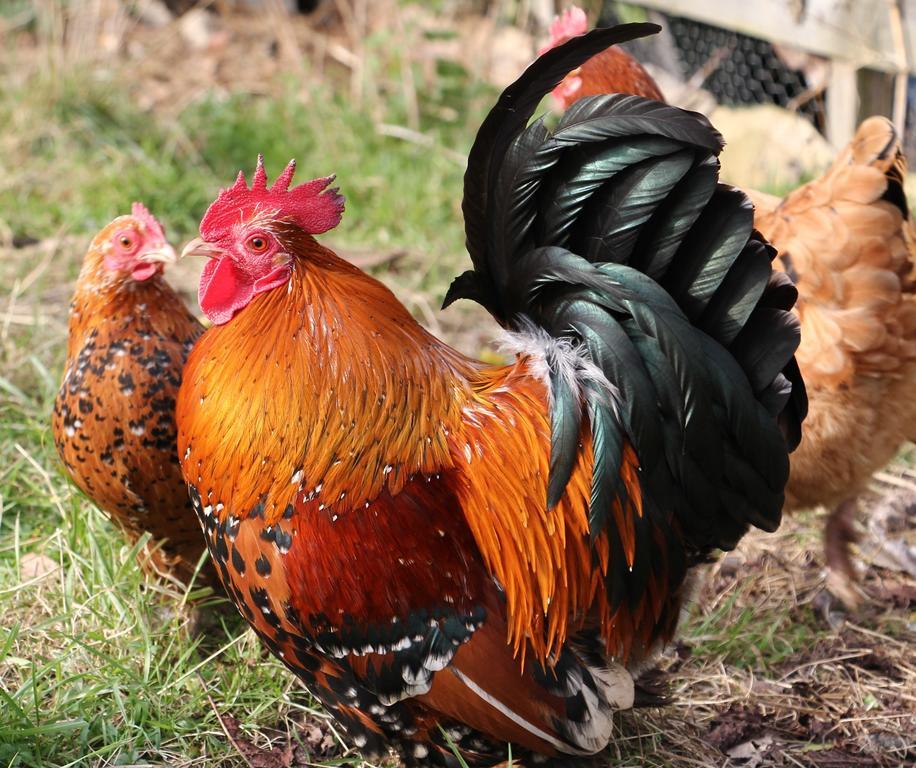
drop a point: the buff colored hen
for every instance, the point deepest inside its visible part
(847, 241)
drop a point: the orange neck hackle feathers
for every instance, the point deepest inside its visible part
(339, 351)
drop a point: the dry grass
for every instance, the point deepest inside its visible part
(762, 676)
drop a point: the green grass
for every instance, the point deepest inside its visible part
(83, 152)
(748, 636)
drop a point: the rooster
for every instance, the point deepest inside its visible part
(114, 420)
(451, 555)
(846, 240)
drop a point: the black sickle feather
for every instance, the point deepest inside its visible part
(614, 353)
(709, 250)
(737, 295)
(566, 417)
(512, 112)
(523, 170)
(613, 235)
(662, 235)
(583, 173)
(622, 210)
(588, 121)
(607, 446)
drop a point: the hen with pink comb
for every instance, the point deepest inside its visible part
(611, 71)
(114, 420)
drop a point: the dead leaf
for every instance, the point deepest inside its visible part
(735, 726)
(319, 743)
(35, 566)
(753, 751)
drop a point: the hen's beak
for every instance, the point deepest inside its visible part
(164, 253)
(200, 247)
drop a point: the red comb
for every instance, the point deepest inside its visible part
(140, 212)
(571, 23)
(312, 206)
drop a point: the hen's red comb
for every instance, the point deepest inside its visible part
(312, 206)
(142, 214)
(569, 24)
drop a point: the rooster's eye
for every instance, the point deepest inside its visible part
(257, 243)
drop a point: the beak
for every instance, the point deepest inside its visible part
(199, 247)
(165, 253)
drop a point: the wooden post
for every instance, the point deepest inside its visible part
(900, 54)
(842, 103)
(876, 91)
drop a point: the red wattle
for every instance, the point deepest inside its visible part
(143, 271)
(224, 290)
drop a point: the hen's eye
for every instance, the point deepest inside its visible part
(257, 243)
(126, 242)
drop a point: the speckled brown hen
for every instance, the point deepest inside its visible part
(114, 416)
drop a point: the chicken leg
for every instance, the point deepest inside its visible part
(839, 534)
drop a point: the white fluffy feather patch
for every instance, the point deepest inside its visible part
(606, 688)
(546, 352)
(616, 684)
